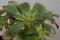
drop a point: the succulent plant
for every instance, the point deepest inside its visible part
(26, 23)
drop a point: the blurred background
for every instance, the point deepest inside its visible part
(51, 5)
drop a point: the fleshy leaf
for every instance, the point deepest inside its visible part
(1, 11)
(14, 29)
(17, 27)
(20, 36)
(14, 11)
(49, 29)
(1, 26)
(24, 7)
(30, 30)
(2, 20)
(45, 15)
(31, 37)
(48, 14)
(7, 16)
(41, 38)
(8, 34)
(39, 7)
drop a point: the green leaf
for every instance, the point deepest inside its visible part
(36, 23)
(38, 26)
(11, 32)
(24, 7)
(48, 15)
(17, 27)
(40, 31)
(31, 37)
(33, 13)
(39, 7)
(8, 34)
(30, 30)
(45, 15)
(20, 36)
(1, 11)
(1, 26)
(7, 16)
(7, 26)
(14, 11)
(41, 38)
(49, 29)
(2, 20)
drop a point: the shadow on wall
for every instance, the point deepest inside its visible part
(0, 37)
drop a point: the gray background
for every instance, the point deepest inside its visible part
(52, 5)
